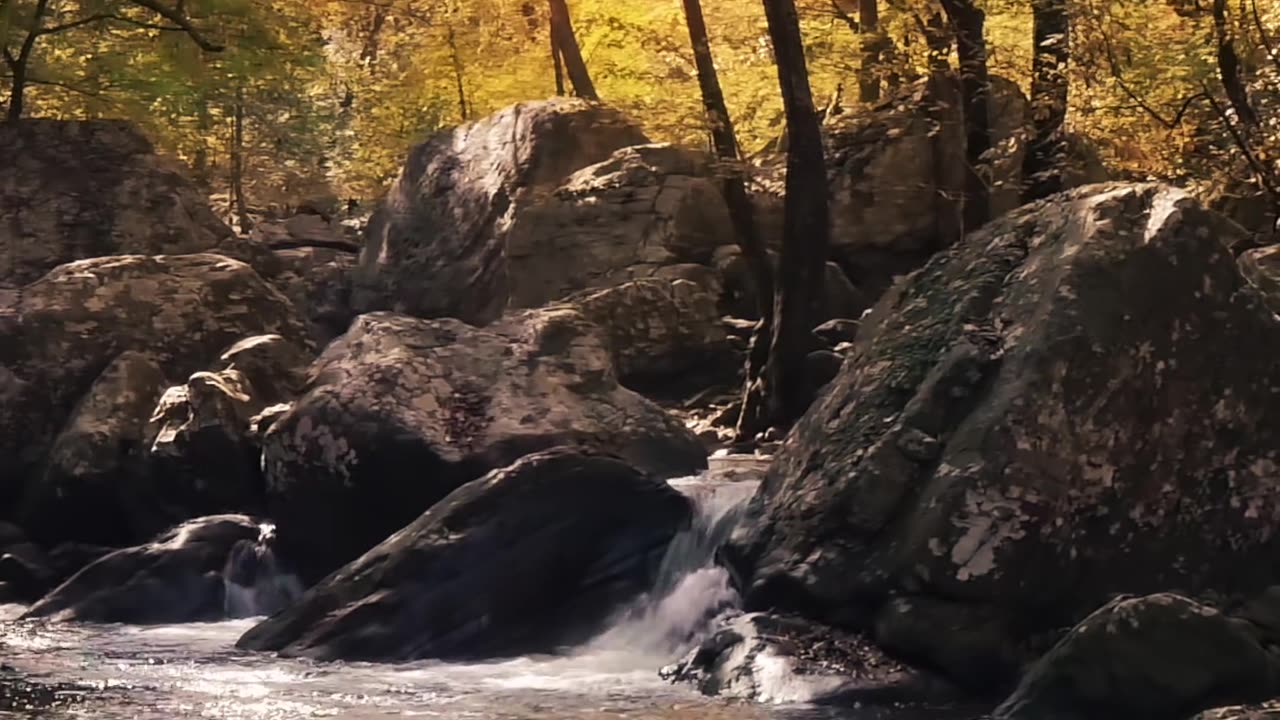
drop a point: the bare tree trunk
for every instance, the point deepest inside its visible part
(872, 45)
(559, 64)
(20, 64)
(567, 42)
(1229, 67)
(784, 392)
(1043, 164)
(741, 211)
(968, 21)
(237, 165)
(458, 74)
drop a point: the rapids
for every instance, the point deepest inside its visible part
(184, 672)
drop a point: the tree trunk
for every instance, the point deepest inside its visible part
(967, 22)
(558, 63)
(1046, 156)
(17, 92)
(567, 42)
(20, 64)
(458, 74)
(1229, 67)
(237, 165)
(872, 45)
(741, 211)
(785, 392)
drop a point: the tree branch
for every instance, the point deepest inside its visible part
(57, 84)
(1266, 39)
(177, 17)
(107, 17)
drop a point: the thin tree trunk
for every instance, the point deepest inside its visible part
(1229, 67)
(458, 74)
(785, 392)
(872, 45)
(567, 42)
(559, 64)
(1043, 164)
(20, 64)
(237, 165)
(741, 211)
(968, 21)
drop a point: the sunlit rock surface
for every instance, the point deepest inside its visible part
(1076, 401)
(401, 411)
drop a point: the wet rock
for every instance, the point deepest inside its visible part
(1262, 268)
(823, 366)
(401, 411)
(577, 535)
(10, 534)
(1040, 418)
(180, 311)
(89, 491)
(658, 329)
(1159, 656)
(436, 246)
(71, 190)
(644, 207)
(202, 451)
(781, 659)
(177, 577)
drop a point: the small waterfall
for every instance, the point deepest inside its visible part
(254, 584)
(692, 590)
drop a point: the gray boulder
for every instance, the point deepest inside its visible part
(1040, 418)
(1262, 268)
(1160, 656)
(401, 411)
(180, 311)
(526, 559)
(436, 246)
(318, 282)
(71, 190)
(643, 208)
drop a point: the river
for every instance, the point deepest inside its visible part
(185, 672)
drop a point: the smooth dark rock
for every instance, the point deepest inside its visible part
(176, 578)
(1157, 657)
(1042, 417)
(522, 560)
(402, 411)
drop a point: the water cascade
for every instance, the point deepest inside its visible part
(254, 583)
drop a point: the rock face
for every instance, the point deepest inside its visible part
(778, 659)
(658, 329)
(1262, 267)
(1264, 711)
(76, 190)
(202, 451)
(1160, 656)
(181, 576)
(1038, 419)
(70, 326)
(576, 535)
(318, 282)
(643, 208)
(401, 411)
(436, 247)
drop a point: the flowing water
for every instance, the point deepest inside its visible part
(185, 672)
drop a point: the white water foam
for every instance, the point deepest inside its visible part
(254, 584)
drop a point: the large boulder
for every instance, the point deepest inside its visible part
(401, 411)
(318, 282)
(195, 572)
(643, 208)
(1040, 418)
(1161, 657)
(525, 559)
(436, 246)
(658, 329)
(84, 189)
(65, 329)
